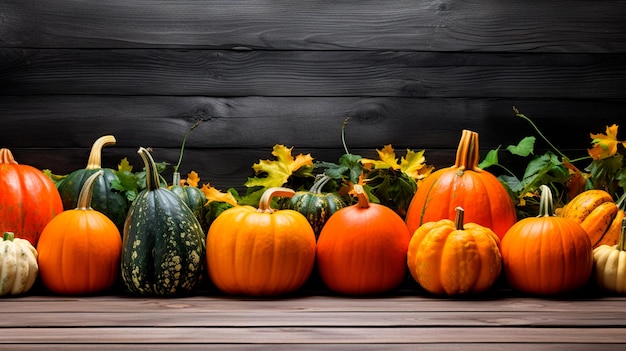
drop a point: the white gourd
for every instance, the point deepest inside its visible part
(18, 265)
(610, 264)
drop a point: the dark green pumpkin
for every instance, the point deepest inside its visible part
(164, 245)
(193, 197)
(105, 199)
(315, 205)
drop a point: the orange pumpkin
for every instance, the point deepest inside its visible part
(28, 199)
(80, 249)
(362, 248)
(479, 192)
(260, 252)
(547, 255)
(599, 216)
(453, 258)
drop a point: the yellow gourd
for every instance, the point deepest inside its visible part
(610, 264)
(18, 265)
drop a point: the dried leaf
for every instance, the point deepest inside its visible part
(278, 171)
(605, 145)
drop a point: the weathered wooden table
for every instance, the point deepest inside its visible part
(315, 319)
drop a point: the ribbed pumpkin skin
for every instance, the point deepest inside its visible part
(599, 216)
(259, 253)
(463, 185)
(28, 199)
(164, 244)
(79, 250)
(546, 255)
(18, 265)
(445, 260)
(363, 250)
(609, 263)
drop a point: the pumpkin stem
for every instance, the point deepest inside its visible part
(458, 219)
(176, 178)
(152, 174)
(8, 236)
(86, 192)
(546, 204)
(95, 157)
(6, 157)
(364, 201)
(622, 236)
(266, 199)
(467, 154)
(317, 187)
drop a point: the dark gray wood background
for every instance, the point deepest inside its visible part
(408, 73)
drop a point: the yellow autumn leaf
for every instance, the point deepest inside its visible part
(193, 179)
(414, 165)
(278, 171)
(387, 160)
(213, 194)
(605, 145)
(124, 166)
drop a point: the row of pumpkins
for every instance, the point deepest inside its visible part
(460, 234)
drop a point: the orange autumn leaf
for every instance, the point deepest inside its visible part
(213, 194)
(605, 145)
(193, 179)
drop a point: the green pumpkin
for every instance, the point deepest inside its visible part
(164, 244)
(315, 205)
(105, 199)
(193, 197)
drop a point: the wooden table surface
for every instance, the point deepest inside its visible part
(408, 319)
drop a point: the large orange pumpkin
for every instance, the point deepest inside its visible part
(362, 248)
(464, 185)
(80, 249)
(454, 258)
(599, 216)
(547, 255)
(260, 252)
(28, 199)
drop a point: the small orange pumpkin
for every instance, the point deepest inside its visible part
(80, 249)
(260, 252)
(547, 255)
(362, 248)
(599, 216)
(28, 199)
(453, 258)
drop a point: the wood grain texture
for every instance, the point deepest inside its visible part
(433, 25)
(311, 73)
(406, 319)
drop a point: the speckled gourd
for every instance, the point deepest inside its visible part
(164, 245)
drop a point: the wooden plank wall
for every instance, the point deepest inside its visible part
(409, 73)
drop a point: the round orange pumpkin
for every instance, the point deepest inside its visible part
(485, 199)
(260, 252)
(362, 248)
(599, 216)
(28, 199)
(547, 255)
(80, 249)
(453, 258)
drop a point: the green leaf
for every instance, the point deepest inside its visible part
(524, 148)
(490, 160)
